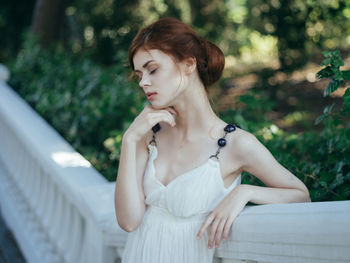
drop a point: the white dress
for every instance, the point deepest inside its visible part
(174, 215)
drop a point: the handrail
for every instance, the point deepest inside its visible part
(42, 178)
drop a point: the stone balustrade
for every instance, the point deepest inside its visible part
(60, 209)
(41, 183)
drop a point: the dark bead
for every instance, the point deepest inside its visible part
(229, 128)
(156, 128)
(221, 142)
(238, 126)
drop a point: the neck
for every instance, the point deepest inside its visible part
(194, 114)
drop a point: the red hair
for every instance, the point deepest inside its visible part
(179, 40)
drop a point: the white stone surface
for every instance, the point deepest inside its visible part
(4, 73)
(42, 180)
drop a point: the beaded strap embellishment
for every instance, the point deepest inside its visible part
(221, 142)
(155, 129)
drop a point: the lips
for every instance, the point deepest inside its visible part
(150, 95)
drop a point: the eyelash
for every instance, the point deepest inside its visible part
(151, 72)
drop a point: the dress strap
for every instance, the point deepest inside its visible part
(155, 129)
(222, 141)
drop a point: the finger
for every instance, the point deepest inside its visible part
(172, 110)
(204, 226)
(167, 113)
(219, 231)
(227, 227)
(161, 116)
(166, 119)
(212, 232)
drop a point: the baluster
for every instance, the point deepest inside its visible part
(29, 188)
(55, 228)
(12, 153)
(63, 238)
(38, 194)
(49, 207)
(23, 179)
(77, 236)
(16, 174)
(44, 194)
(33, 186)
(7, 155)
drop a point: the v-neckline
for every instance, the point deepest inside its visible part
(216, 163)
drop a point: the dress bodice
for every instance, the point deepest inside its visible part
(194, 192)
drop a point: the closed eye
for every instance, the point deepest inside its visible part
(153, 71)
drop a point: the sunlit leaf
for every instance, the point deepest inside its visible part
(324, 73)
(332, 86)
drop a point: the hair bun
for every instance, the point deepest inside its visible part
(212, 64)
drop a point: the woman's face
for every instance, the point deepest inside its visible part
(160, 78)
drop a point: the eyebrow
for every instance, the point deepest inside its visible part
(144, 65)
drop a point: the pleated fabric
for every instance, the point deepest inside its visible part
(174, 215)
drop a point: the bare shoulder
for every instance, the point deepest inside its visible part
(246, 148)
(243, 142)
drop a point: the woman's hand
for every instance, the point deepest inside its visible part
(223, 216)
(147, 119)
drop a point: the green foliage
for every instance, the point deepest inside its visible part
(86, 103)
(251, 110)
(301, 26)
(321, 159)
(332, 63)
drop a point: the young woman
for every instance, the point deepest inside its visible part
(178, 188)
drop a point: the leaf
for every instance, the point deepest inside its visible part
(332, 86)
(344, 191)
(346, 74)
(323, 184)
(347, 95)
(320, 119)
(326, 62)
(339, 76)
(328, 109)
(327, 72)
(332, 58)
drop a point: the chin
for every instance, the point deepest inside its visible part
(159, 106)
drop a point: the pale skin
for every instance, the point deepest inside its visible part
(191, 128)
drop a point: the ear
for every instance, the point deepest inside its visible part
(190, 65)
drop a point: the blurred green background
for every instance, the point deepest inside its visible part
(68, 60)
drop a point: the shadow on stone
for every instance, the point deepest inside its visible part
(9, 250)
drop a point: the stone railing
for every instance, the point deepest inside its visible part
(280, 233)
(61, 210)
(42, 185)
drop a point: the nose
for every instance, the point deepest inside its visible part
(144, 81)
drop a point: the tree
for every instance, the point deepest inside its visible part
(47, 20)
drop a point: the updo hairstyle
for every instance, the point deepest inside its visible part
(179, 40)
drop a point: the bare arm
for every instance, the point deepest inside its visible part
(129, 197)
(282, 185)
